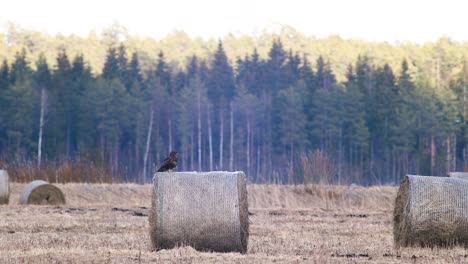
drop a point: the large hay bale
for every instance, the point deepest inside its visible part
(4, 187)
(41, 193)
(459, 175)
(205, 210)
(431, 211)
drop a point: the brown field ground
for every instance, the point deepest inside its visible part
(104, 223)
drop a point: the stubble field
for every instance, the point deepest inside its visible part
(104, 223)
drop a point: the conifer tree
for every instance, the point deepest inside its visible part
(20, 69)
(111, 68)
(220, 89)
(4, 75)
(293, 123)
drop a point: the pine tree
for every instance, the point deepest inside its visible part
(4, 86)
(134, 72)
(249, 74)
(274, 68)
(20, 69)
(293, 70)
(19, 109)
(123, 67)
(81, 83)
(307, 75)
(221, 85)
(192, 68)
(163, 73)
(111, 68)
(293, 123)
(220, 89)
(63, 105)
(246, 105)
(4, 75)
(353, 126)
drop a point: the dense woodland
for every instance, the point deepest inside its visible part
(283, 107)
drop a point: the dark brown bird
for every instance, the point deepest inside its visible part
(169, 163)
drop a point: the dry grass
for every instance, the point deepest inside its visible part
(314, 224)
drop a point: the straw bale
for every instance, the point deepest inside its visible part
(41, 193)
(459, 175)
(205, 210)
(431, 212)
(4, 187)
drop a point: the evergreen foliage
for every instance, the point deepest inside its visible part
(375, 117)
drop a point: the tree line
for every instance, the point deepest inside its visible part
(268, 116)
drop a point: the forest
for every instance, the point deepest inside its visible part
(280, 106)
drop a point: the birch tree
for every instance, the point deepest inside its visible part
(42, 80)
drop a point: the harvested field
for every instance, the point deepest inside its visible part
(104, 223)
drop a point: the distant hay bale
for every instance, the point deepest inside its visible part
(459, 175)
(431, 212)
(41, 193)
(4, 187)
(205, 210)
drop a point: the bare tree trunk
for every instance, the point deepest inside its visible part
(231, 145)
(464, 112)
(454, 152)
(221, 138)
(157, 139)
(199, 128)
(116, 157)
(438, 82)
(361, 158)
(192, 150)
(210, 140)
(371, 162)
(102, 152)
(448, 156)
(258, 163)
(432, 153)
(137, 150)
(394, 165)
(405, 161)
(148, 140)
(340, 150)
(248, 147)
(67, 147)
(41, 126)
(170, 134)
(183, 152)
(291, 162)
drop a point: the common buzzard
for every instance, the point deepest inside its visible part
(169, 163)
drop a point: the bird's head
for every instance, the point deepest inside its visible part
(173, 154)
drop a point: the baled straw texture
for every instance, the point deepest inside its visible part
(431, 212)
(459, 175)
(205, 210)
(4, 187)
(41, 193)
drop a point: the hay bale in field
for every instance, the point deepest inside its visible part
(430, 212)
(41, 193)
(4, 187)
(205, 210)
(459, 175)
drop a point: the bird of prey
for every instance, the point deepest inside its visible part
(169, 163)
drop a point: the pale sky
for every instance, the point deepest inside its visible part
(373, 20)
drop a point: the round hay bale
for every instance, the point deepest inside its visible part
(4, 187)
(459, 175)
(41, 193)
(206, 210)
(431, 212)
